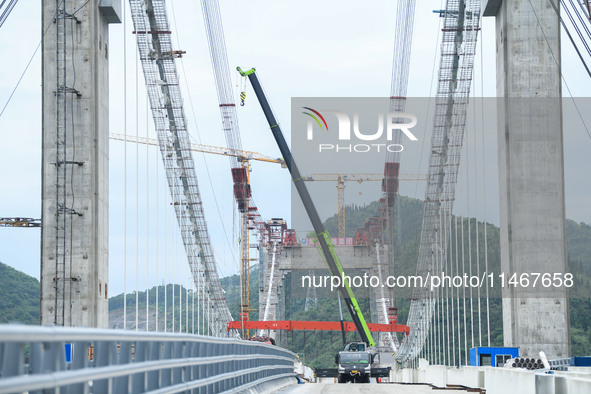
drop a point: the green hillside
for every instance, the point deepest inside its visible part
(578, 238)
(20, 297)
(231, 285)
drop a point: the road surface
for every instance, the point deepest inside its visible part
(327, 388)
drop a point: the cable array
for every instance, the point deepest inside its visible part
(219, 60)
(251, 218)
(7, 10)
(458, 48)
(403, 32)
(162, 82)
(580, 20)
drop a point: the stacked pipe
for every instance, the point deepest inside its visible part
(527, 363)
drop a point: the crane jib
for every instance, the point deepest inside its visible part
(330, 256)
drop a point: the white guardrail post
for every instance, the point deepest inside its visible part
(83, 360)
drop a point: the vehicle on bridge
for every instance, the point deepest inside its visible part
(357, 363)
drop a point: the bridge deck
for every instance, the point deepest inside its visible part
(326, 388)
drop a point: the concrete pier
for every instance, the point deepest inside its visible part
(309, 258)
(531, 172)
(74, 240)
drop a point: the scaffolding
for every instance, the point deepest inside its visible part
(271, 273)
(458, 48)
(162, 82)
(240, 168)
(61, 228)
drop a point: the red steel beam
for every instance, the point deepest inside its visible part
(290, 325)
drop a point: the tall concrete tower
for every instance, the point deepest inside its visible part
(74, 236)
(531, 172)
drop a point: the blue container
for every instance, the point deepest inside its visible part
(580, 361)
(492, 356)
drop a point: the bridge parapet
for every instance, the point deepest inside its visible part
(33, 359)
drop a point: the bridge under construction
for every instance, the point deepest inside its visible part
(224, 336)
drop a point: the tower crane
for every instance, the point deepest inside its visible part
(216, 150)
(20, 222)
(340, 179)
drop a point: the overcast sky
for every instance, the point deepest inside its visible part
(303, 49)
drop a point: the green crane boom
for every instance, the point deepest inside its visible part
(330, 257)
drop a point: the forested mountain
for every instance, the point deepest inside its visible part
(19, 297)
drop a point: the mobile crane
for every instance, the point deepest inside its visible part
(330, 256)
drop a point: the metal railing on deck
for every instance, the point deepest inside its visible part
(83, 360)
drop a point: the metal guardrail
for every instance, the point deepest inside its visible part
(560, 364)
(84, 360)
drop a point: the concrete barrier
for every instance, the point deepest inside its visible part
(498, 380)
(577, 385)
(503, 380)
(466, 376)
(544, 384)
(272, 386)
(436, 375)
